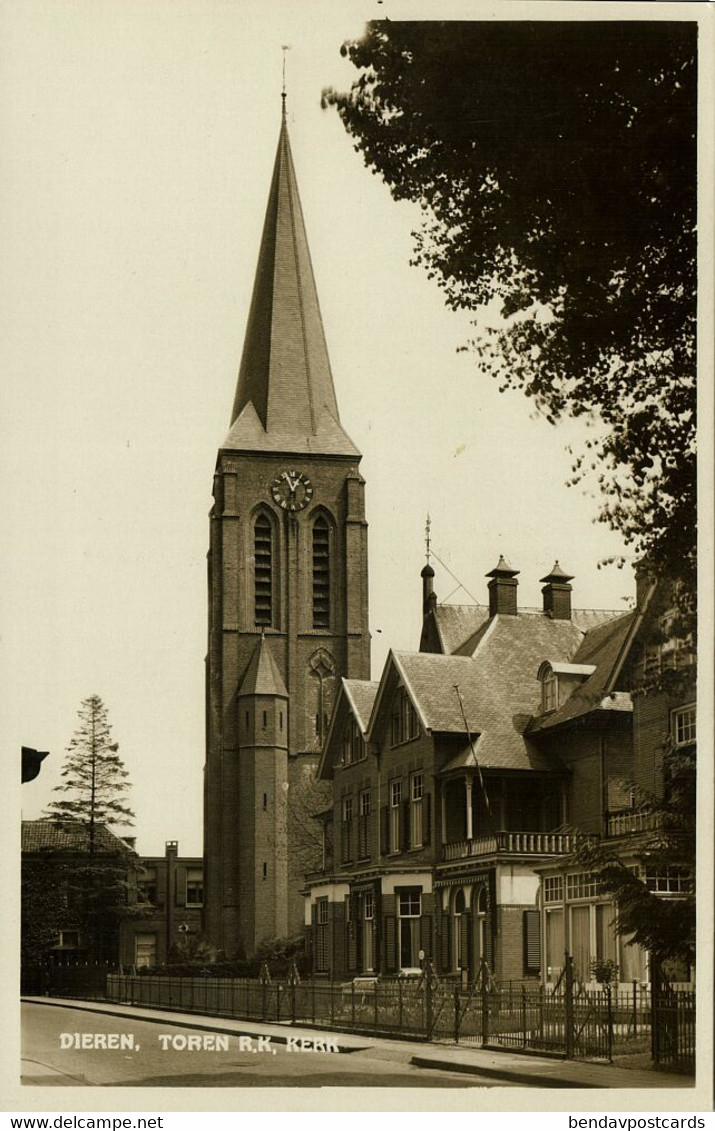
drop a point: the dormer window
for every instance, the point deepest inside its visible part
(549, 690)
(558, 681)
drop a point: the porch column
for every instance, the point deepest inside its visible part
(443, 797)
(468, 800)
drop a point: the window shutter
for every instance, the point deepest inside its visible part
(390, 944)
(426, 819)
(310, 938)
(385, 837)
(351, 929)
(405, 830)
(377, 927)
(532, 943)
(464, 933)
(426, 935)
(445, 948)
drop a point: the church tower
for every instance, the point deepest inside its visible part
(287, 570)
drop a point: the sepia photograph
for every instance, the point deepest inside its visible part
(357, 451)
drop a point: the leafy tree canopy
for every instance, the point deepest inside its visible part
(555, 164)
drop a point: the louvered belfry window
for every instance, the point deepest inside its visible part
(263, 556)
(321, 573)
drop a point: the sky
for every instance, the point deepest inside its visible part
(138, 145)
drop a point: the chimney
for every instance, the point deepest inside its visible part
(557, 593)
(429, 600)
(644, 579)
(502, 589)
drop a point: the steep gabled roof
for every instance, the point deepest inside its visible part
(457, 625)
(498, 686)
(69, 837)
(357, 697)
(285, 398)
(600, 648)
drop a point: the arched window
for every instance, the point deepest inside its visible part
(263, 571)
(321, 573)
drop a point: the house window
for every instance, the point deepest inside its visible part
(347, 831)
(148, 885)
(549, 691)
(364, 824)
(404, 724)
(353, 743)
(670, 881)
(145, 950)
(263, 571)
(582, 885)
(553, 889)
(395, 804)
(409, 907)
(683, 725)
(68, 940)
(416, 800)
(321, 573)
(321, 934)
(194, 887)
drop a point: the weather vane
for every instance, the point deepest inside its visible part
(427, 536)
(284, 48)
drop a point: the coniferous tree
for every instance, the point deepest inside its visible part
(94, 784)
(93, 776)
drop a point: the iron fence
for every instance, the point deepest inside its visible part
(568, 1019)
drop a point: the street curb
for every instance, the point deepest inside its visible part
(180, 1019)
(509, 1075)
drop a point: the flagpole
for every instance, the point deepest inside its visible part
(474, 752)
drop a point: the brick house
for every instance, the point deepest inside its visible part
(453, 777)
(657, 672)
(53, 927)
(172, 887)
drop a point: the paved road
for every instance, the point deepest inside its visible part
(159, 1054)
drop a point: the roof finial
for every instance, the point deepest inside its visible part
(428, 524)
(284, 48)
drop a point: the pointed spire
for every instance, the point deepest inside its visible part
(285, 398)
(262, 676)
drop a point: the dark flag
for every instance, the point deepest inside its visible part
(31, 762)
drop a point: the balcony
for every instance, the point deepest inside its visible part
(518, 844)
(630, 822)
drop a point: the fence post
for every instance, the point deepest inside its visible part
(568, 1008)
(523, 1014)
(376, 1006)
(635, 1008)
(456, 1015)
(352, 1003)
(609, 1011)
(265, 979)
(428, 998)
(485, 1004)
(399, 1005)
(293, 979)
(655, 1010)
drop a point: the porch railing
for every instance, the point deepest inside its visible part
(630, 821)
(521, 843)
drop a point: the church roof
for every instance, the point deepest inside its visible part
(262, 674)
(285, 398)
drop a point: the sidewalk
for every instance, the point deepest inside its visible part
(474, 1061)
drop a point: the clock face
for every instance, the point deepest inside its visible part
(292, 490)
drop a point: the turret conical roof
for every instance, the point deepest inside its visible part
(285, 398)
